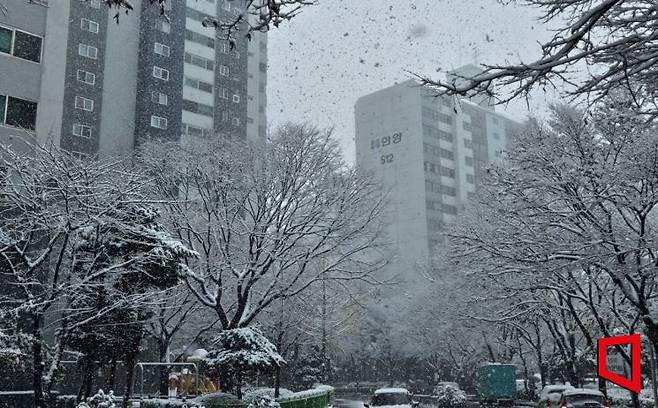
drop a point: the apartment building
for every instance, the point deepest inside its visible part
(71, 75)
(430, 153)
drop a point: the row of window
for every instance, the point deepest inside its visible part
(431, 131)
(18, 112)
(209, 42)
(438, 169)
(200, 61)
(439, 206)
(20, 44)
(434, 115)
(438, 151)
(198, 84)
(440, 188)
(435, 224)
(196, 107)
(191, 130)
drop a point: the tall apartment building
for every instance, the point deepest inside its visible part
(430, 153)
(71, 75)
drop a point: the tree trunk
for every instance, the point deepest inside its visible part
(277, 381)
(238, 384)
(37, 363)
(130, 378)
(164, 370)
(113, 374)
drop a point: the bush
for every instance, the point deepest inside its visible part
(450, 397)
(100, 400)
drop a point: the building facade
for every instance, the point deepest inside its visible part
(429, 153)
(72, 76)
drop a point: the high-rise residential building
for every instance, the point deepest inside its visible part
(429, 152)
(71, 75)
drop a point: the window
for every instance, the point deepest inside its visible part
(192, 130)
(199, 61)
(200, 108)
(86, 77)
(161, 73)
(18, 112)
(449, 209)
(94, 3)
(88, 51)
(20, 44)
(469, 161)
(236, 121)
(223, 92)
(158, 122)
(162, 49)
(163, 26)
(446, 171)
(468, 143)
(262, 67)
(159, 98)
(223, 70)
(84, 103)
(236, 98)
(199, 38)
(496, 135)
(470, 178)
(445, 118)
(197, 84)
(6, 38)
(446, 154)
(225, 116)
(89, 25)
(81, 130)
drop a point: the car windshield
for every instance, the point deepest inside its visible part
(391, 399)
(577, 398)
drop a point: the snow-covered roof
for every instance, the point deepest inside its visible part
(553, 387)
(392, 391)
(582, 391)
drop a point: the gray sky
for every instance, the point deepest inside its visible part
(335, 52)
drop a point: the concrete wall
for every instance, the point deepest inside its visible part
(18, 77)
(400, 167)
(117, 127)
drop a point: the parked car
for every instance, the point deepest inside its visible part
(582, 398)
(550, 395)
(388, 397)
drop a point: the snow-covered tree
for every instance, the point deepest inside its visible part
(70, 225)
(563, 230)
(268, 220)
(239, 351)
(610, 41)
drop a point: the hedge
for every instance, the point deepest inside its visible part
(317, 398)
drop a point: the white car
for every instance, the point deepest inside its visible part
(550, 395)
(583, 398)
(392, 397)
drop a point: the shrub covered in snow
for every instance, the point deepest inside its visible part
(263, 401)
(100, 400)
(241, 350)
(450, 397)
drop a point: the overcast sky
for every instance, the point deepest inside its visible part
(331, 54)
